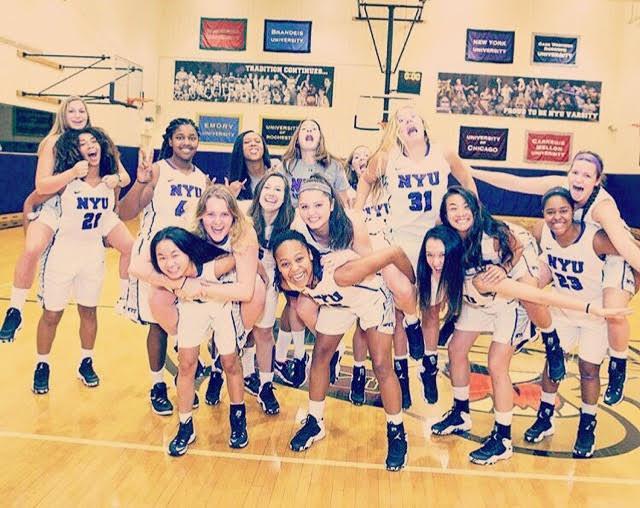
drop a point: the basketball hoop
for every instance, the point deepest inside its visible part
(137, 102)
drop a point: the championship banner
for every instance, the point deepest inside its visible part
(552, 147)
(490, 46)
(483, 143)
(278, 131)
(223, 34)
(218, 129)
(554, 49)
(521, 97)
(252, 83)
(282, 36)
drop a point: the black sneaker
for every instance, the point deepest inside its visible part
(428, 376)
(300, 370)
(334, 367)
(401, 368)
(160, 402)
(196, 401)
(252, 384)
(454, 421)
(41, 378)
(617, 375)
(494, 448)
(212, 397)
(586, 439)
(201, 369)
(267, 399)
(308, 434)
(396, 447)
(446, 332)
(11, 324)
(555, 357)
(86, 374)
(185, 436)
(284, 371)
(358, 382)
(415, 340)
(543, 426)
(239, 437)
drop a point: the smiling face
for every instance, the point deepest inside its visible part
(315, 208)
(435, 252)
(294, 263)
(184, 142)
(410, 125)
(360, 158)
(76, 115)
(558, 215)
(172, 261)
(459, 214)
(272, 195)
(89, 149)
(583, 177)
(252, 147)
(309, 136)
(217, 219)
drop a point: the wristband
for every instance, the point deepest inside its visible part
(586, 310)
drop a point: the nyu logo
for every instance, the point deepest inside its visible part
(407, 181)
(329, 299)
(185, 190)
(557, 263)
(92, 203)
(381, 210)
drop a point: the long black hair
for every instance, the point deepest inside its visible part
(67, 150)
(166, 151)
(452, 276)
(238, 170)
(285, 215)
(298, 237)
(197, 250)
(340, 226)
(483, 222)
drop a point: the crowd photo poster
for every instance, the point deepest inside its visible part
(223, 34)
(253, 83)
(519, 96)
(493, 46)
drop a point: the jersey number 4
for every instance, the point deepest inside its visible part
(180, 208)
(91, 220)
(420, 201)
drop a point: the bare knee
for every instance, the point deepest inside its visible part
(230, 364)
(382, 369)
(588, 371)
(52, 318)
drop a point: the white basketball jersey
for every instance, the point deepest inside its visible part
(576, 269)
(264, 252)
(174, 202)
(580, 216)
(415, 190)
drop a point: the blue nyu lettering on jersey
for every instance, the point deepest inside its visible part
(419, 199)
(91, 218)
(566, 271)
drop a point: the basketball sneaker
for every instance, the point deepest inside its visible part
(396, 447)
(300, 373)
(358, 382)
(41, 378)
(252, 384)
(267, 399)
(494, 448)
(446, 332)
(428, 376)
(11, 324)
(86, 374)
(185, 436)
(309, 433)
(543, 426)
(401, 368)
(238, 420)
(284, 371)
(212, 397)
(555, 356)
(334, 367)
(586, 438)
(454, 421)
(415, 340)
(160, 402)
(617, 375)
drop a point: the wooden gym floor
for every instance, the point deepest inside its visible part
(104, 446)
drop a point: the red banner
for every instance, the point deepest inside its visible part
(552, 147)
(226, 34)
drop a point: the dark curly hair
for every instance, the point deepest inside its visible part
(67, 150)
(166, 151)
(290, 234)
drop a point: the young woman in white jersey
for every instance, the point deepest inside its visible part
(72, 114)
(345, 293)
(412, 174)
(74, 264)
(573, 259)
(166, 192)
(594, 205)
(489, 246)
(272, 214)
(177, 256)
(250, 161)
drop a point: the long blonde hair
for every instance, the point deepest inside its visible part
(241, 226)
(60, 121)
(294, 153)
(390, 138)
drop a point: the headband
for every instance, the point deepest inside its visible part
(589, 157)
(315, 185)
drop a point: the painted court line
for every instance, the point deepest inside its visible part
(328, 463)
